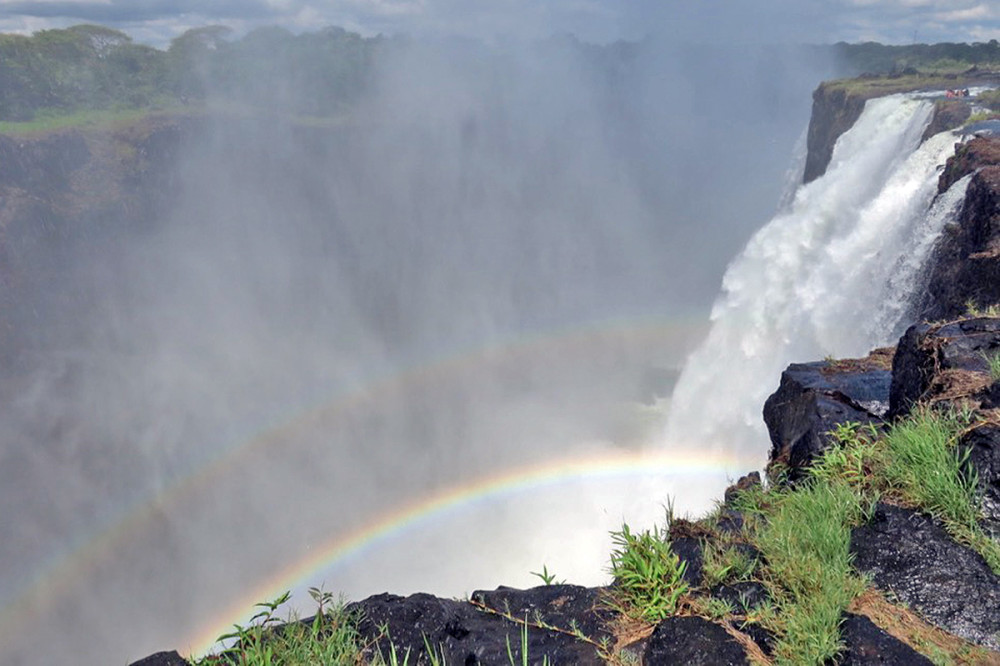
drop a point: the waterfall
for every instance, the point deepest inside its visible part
(832, 274)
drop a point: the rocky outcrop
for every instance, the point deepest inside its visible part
(814, 398)
(965, 264)
(838, 104)
(481, 630)
(834, 111)
(944, 363)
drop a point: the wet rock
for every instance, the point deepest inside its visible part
(834, 111)
(865, 644)
(751, 480)
(964, 266)
(942, 363)
(948, 114)
(562, 606)
(693, 641)
(462, 633)
(983, 448)
(912, 557)
(814, 398)
(688, 549)
(969, 157)
(162, 659)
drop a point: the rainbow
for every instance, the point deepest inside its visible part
(396, 523)
(58, 577)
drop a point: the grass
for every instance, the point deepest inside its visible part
(331, 638)
(993, 363)
(806, 546)
(973, 309)
(942, 78)
(48, 121)
(649, 576)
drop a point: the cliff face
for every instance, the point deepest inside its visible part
(61, 191)
(964, 272)
(834, 111)
(838, 104)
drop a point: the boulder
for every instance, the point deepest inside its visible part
(866, 644)
(912, 557)
(814, 398)
(941, 363)
(693, 641)
(460, 632)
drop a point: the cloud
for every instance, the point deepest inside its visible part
(708, 21)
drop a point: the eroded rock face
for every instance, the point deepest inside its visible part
(833, 113)
(965, 263)
(694, 641)
(912, 557)
(814, 398)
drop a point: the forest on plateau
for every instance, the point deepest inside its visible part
(88, 67)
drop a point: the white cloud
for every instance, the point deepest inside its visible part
(971, 14)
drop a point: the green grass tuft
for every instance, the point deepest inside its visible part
(806, 547)
(649, 576)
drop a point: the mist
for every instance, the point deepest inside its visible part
(495, 263)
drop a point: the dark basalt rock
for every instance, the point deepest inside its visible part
(693, 641)
(162, 659)
(965, 264)
(834, 111)
(983, 448)
(562, 606)
(688, 549)
(463, 633)
(762, 637)
(912, 557)
(814, 398)
(939, 363)
(867, 644)
(948, 114)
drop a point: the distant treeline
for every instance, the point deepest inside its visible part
(88, 67)
(875, 58)
(94, 67)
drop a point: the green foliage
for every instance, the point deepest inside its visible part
(993, 363)
(330, 638)
(972, 309)
(724, 563)
(872, 57)
(547, 576)
(648, 574)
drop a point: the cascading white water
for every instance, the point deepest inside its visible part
(831, 274)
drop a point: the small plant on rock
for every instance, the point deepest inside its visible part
(648, 575)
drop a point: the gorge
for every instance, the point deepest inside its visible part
(125, 321)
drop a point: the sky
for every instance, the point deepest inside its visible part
(155, 22)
